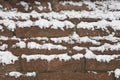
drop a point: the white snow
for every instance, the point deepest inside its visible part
(41, 8)
(30, 74)
(61, 57)
(101, 58)
(3, 46)
(7, 57)
(107, 46)
(23, 24)
(78, 48)
(14, 74)
(49, 46)
(74, 38)
(20, 44)
(77, 56)
(25, 5)
(117, 73)
(71, 3)
(49, 6)
(17, 74)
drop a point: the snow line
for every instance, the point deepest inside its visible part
(17, 74)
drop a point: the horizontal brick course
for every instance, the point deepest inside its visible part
(92, 64)
(95, 32)
(54, 65)
(10, 67)
(37, 32)
(74, 76)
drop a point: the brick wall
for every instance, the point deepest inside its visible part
(60, 40)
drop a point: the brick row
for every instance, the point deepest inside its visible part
(74, 76)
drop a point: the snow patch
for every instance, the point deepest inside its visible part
(101, 58)
(7, 57)
(61, 57)
(117, 73)
(106, 46)
(25, 5)
(49, 46)
(71, 3)
(19, 74)
(20, 44)
(3, 47)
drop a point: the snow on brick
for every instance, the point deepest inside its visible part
(3, 46)
(107, 46)
(7, 57)
(17, 74)
(74, 38)
(61, 57)
(49, 46)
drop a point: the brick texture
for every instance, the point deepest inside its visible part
(92, 64)
(54, 65)
(36, 31)
(74, 76)
(77, 40)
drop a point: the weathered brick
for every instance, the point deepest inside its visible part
(117, 33)
(78, 20)
(58, 6)
(54, 65)
(110, 52)
(73, 43)
(92, 64)
(44, 4)
(4, 77)
(18, 51)
(74, 76)
(96, 32)
(10, 43)
(10, 67)
(6, 32)
(73, 51)
(37, 32)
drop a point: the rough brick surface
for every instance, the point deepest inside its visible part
(74, 76)
(3, 77)
(54, 65)
(18, 51)
(92, 64)
(10, 67)
(58, 6)
(87, 49)
(37, 32)
(96, 32)
(6, 32)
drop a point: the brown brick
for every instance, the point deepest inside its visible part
(73, 51)
(4, 77)
(6, 32)
(18, 51)
(107, 52)
(58, 6)
(117, 33)
(74, 76)
(96, 32)
(10, 67)
(34, 65)
(54, 65)
(92, 64)
(75, 43)
(37, 32)
(44, 4)
(10, 43)
(78, 20)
